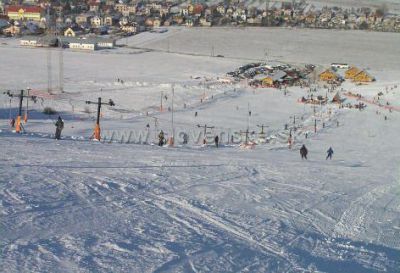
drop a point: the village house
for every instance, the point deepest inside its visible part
(42, 41)
(184, 11)
(204, 22)
(91, 43)
(156, 22)
(83, 19)
(96, 21)
(69, 32)
(94, 7)
(34, 13)
(221, 9)
(125, 9)
(12, 30)
(129, 28)
(273, 78)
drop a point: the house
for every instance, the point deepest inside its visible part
(340, 66)
(149, 22)
(28, 41)
(273, 78)
(12, 30)
(69, 32)
(1, 6)
(83, 19)
(96, 21)
(204, 22)
(329, 75)
(94, 7)
(351, 73)
(34, 13)
(184, 11)
(363, 76)
(221, 9)
(129, 28)
(125, 9)
(156, 22)
(90, 43)
(42, 41)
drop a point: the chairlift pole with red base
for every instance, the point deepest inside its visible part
(21, 97)
(96, 133)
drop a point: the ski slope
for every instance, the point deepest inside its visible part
(77, 205)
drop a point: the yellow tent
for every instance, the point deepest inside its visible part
(351, 73)
(328, 75)
(363, 76)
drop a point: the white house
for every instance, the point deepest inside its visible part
(82, 44)
(28, 41)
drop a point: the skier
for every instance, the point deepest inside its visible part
(185, 138)
(59, 126)
(12, 123)
(303, 152)
(161, 138)
(216, 140)
(330, 153)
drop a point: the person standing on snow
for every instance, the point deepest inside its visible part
(216, 140)
(59, 127)
(303, 152)
(330, 153)
(161, 138)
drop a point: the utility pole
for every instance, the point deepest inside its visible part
(96, 133)
(162, 95)
(26, 110)
(261, 134)
(205, 131)
(21, 97)
(155, 127)
(315, 125)
(171, 139)
(246, 133)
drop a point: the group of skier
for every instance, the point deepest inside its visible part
(304, 152)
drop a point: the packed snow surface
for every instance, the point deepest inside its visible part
(78, 205)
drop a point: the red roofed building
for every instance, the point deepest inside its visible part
(33, 13)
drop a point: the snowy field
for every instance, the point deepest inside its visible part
(77, 205)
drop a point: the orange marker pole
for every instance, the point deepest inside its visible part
(97, 127)
(18, 126)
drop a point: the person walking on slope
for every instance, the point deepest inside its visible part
(303, 152)
(330, 153)
(59, 127)
(216, 140)
(161, 138)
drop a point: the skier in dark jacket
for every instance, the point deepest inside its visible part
(161, 138)
(330, 153)
(303, 152)
(59, 127)
(216, 140)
